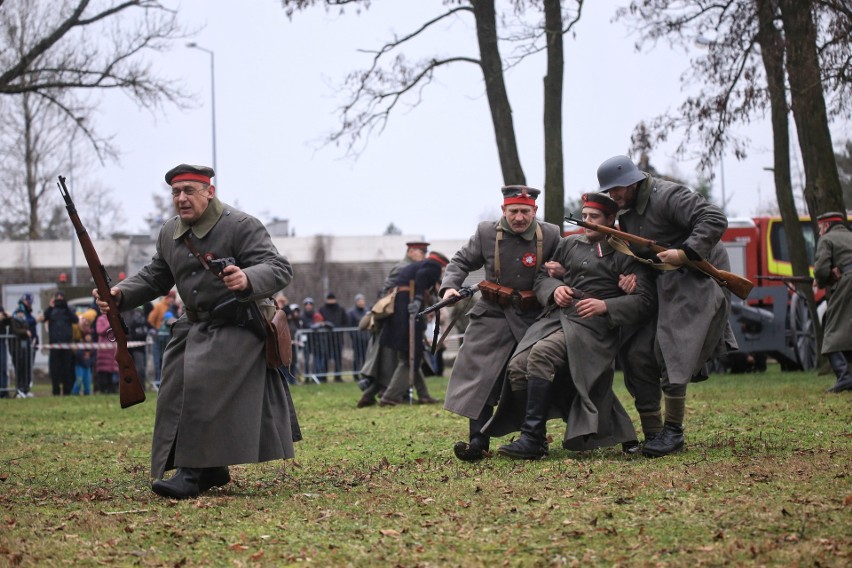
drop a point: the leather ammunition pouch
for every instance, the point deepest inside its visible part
(496, 294)
(527, 301)
(279, 344)
(504, 296)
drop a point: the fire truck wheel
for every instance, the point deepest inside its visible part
(802, 333)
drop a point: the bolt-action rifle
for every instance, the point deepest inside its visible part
(130, 390)
(466, 292)
(738, 285)
(787, 279)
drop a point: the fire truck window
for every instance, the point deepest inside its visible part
(778, 239)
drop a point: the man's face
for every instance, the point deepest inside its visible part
(520, 217)
(823, 227)
(598, 217)
(361, 302)
(624, 196)
(191, 199)
(416, 254)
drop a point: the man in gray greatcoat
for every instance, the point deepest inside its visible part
(218, 404)
(512, 249)
(833, 270)
(563, 365)
(691, 325)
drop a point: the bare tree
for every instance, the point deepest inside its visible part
(55, 56)
(392, 80)
(733, 70)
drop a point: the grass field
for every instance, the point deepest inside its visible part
(765, 481)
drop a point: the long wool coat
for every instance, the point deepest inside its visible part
(583, 398)
(218, 403)
(493, 331)
(692, 321)
(835, 249)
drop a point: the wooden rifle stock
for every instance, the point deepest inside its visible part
(130, 390)
(739, 286)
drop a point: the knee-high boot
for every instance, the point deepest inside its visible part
(532, 444)
(477, 448)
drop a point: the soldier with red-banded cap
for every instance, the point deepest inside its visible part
(512, 249)
(833, 270)
(218, 404)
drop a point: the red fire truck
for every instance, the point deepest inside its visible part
(774, 320)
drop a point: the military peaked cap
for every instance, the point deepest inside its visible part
(188, 172)
(600, 201)
(519, 194)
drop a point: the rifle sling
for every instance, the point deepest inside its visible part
(623, 248)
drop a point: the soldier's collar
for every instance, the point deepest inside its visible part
(643, 193)
(206, 222)
(527, 235)
(606, 247)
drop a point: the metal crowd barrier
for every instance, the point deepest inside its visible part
(328, 352)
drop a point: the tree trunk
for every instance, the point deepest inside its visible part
(495, 89)
(772, 52)
(822, 182)
(554, 166)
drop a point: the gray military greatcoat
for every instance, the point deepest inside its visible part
(835, 249)
(583, 397)
(218, 403)
(692, 321)
(493, 331)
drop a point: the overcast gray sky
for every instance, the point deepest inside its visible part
(434, 170)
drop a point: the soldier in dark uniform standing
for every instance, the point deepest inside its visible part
(833, 270)
(563, 365)
(691, 324)
(218, 403)
(512, 249)
(380, 362)
(424, 276)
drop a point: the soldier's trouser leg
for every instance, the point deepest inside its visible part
(542, 362)
(642, 379)
(670, 439)
(840, 365)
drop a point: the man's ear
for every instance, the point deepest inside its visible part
(211, 189)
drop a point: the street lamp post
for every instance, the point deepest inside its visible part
(722, 178)
(194, 45)
(71, 177)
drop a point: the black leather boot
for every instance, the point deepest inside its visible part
(532, 445)
(669, 441)
(840, 366)
(213, 477)
(479, 443)
(191, 481)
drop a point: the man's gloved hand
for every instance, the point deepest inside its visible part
(414, 306)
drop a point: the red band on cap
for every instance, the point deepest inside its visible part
(831, 219)
(437, 259)
(596, 205)
(519, 200)
(191, 177)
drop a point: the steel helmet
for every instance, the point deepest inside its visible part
(618, 171)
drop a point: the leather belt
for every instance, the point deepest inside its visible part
(197, 316)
